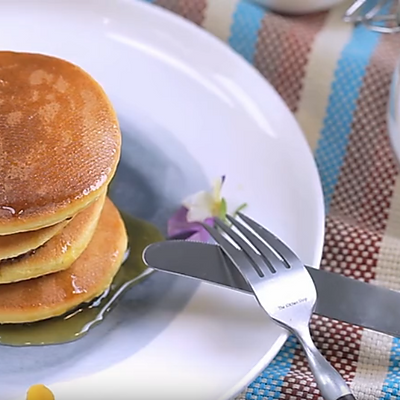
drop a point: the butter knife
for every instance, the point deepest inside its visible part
(341, 298)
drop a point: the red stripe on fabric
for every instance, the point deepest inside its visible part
(348, 249)
(269, 50)
(369, 170)
(193, 10)
(283, 48)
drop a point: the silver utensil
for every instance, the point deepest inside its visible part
(376, 18)
(283, 288)
(338, 297)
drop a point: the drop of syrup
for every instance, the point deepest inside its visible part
(76, 323)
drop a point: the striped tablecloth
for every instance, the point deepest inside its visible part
(335, 78)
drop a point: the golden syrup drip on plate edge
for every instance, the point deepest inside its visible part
(76, 323)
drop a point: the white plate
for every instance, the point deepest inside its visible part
(190, 110)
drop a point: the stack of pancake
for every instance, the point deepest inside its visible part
(61, 239)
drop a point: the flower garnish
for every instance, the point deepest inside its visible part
(198, 209)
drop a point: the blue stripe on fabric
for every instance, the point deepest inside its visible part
(345, 91)
(268, 385)
(391, 386)
(244, 30)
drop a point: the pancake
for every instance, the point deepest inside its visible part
(59, 141)
(89, 276)
(20, 243)
(59, 252)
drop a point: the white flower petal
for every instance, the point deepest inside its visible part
(198, 215)
(217, 190)
(200, 206)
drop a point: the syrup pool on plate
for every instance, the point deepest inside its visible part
(76, 323)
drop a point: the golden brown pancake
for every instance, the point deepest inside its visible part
(20, 243)
(59, 252)
(88, 277)
(59, 141)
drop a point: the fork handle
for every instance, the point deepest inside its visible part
(329, 381)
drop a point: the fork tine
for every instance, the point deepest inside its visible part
(268, 254)
(284, 251)
(239, 259)
(258, 262)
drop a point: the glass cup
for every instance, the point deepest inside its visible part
(393, 115)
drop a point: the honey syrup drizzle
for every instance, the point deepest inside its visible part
(76, 323)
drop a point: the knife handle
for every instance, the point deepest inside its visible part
(347, 397)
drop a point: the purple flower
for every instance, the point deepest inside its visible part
(180, 228)
(201, 208)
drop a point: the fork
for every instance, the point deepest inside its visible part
(282, 287)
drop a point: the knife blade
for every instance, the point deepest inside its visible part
(338, 297)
